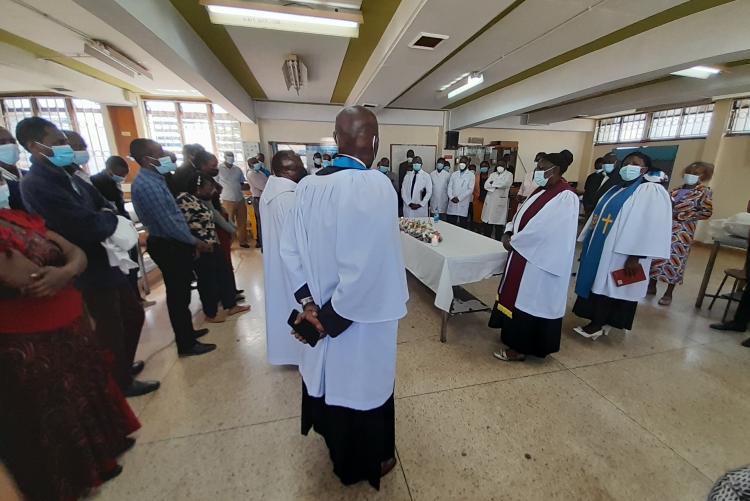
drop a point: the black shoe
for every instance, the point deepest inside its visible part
(138, 388)
(240, 298)
(258, 246)
(728, 326)
(200, 333)
(137, 367)
(129, 444)
(197, 349)
(245, 246)
(109, 475)
(746, 343)
(239, 291)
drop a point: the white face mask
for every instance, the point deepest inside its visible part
(409, 159)
(317, 161)
(462, 166)
(691, 179)
(500, 169)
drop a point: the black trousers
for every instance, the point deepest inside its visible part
(215, 282)
(256, 210)
(458, 220)
(742, 316)
(118, 318)
(175, 260)
(499, 229)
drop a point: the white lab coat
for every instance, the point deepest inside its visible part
(277, 201)
(642, 228)
(346, 246)
(409, 196)
(495, 210)
(439, 200)
(461, 185)
(548, 243)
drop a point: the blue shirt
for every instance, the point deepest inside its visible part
(157, 209)
(77, 211)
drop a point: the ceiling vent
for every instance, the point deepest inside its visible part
(109, 55)
(369, 105)
(295, 72)
(428, 41)
(60, 89)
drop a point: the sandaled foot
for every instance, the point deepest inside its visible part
(236, 310)
(507, 355)
(596, 334)
(665, 301)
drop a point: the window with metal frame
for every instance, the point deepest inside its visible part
(90, 124)
(688, 122)
(739, 120)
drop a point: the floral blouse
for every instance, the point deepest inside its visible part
(199, 218)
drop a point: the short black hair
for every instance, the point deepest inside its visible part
(202, 157)
(598, 161)
(539, 156)
(646, 159)
(317, 155)
(410, 151)
(277, 162)
(32, 129)
(192, 149)
(139, 148)
(114, 162)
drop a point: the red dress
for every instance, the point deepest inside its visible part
(63, 420)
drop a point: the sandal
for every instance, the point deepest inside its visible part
(507, 357)
(604, 331)
(665, 301)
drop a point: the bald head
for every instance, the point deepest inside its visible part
(356, 133)
(288, 164)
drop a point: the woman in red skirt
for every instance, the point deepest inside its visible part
(63, 420)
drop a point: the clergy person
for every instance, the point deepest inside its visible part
(440, 177)
(343, 250)
(416, 191)
(541, 240)
(277, 201)
(631, 225)
(460, 191)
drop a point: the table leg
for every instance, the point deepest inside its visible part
(707, 274)
(444, 327)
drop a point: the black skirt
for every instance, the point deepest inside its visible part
(358, 441)
(604, 310)
(526, 333)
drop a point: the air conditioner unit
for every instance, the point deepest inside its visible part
(110, 56)
(295, 72)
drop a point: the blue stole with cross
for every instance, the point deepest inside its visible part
(609, 207)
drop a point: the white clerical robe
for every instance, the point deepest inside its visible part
(439, 200)
(642, 228)
(461, 186)
(495, 209)
(345, 245)
(277, 202)
(421, 193)
(548, 242)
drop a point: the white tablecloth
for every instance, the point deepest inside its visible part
(463, 257)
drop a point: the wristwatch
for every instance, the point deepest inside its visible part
(307, 300)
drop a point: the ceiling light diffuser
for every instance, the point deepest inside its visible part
(472, 81)
(701, 72)
(273, 17)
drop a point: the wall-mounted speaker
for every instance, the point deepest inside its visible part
(451, 140)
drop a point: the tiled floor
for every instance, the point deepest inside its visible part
(656, 414)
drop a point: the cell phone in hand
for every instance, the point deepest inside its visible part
(304, 329)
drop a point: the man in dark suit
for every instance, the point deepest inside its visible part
(593, 182)
(611, 178)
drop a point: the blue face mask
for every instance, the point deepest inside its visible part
(540, 178)
(691, 179)
(260, 165)
(118, 179)
(416, 167)
(81, 157)
(440, 167)
(4, 196)
(608, 168)
(9, 153)
(384, 169)
(630, 172)
(326, 163)
(484, 170)
(62, 155)
(166, 165)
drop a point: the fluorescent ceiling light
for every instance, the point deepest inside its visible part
(472, 81)
(701, 72)
(283, 21)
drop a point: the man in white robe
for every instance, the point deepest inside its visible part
(440, 178)
(541, 240)
(343, 250)
(631, 225)
(460, 193)
(495, 209)
(277, 202)
(416, 191)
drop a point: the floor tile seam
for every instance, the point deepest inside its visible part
(515, 378)
(629, 357)
(641, 426)
(218, 430)
(403, 473)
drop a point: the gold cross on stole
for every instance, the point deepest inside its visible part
(607, 221)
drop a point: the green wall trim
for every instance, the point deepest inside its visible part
(678, 12)
(216, 37)
(377, 14)
(44, 53)
(510, 8)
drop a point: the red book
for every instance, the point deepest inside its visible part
(622, 279)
